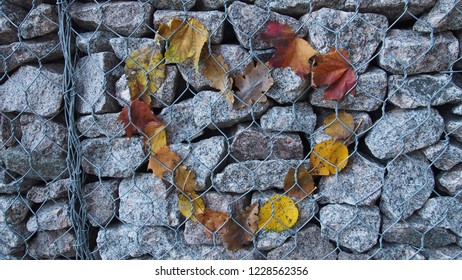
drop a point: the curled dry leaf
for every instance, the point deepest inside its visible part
(156, 137)
(328, 157)
(137, 116)
(216, 70)
(239, 232)
(339, 127)
(191, 206)
(300, 188)
(185, 179)
(278, 213)
(212, 220)
(162, 161)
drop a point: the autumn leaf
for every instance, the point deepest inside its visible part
(185, 40)
(237, 234)
(191, 206)
(185, 179)
(137, 116)
(328, 158)
(303, 187)
(156, 136)
(334, 70)
(216, 70)
(339, 126)
(212, 220)
(291, 51)
(162, 161)
(145, 72)
(253, 85)
(278, 213)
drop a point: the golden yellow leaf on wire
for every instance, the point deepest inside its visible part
(328, 157)
(185, 179)
(156, 137)
(284, 216)
(339, 127)
(162, 161)
(190, 206)
(216, 70)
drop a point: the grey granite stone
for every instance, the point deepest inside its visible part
(11, 17)
(356, 228)
(453, 126)
(216, 4)
(401, 131)
(52, 244)
(12, 238)
(452, 252)
(296, 118)
(411, 52)
(288, 87)
(393, 251)
(445, 212)
(28, 4)
(50, 191)
(10, 129)
(445, 15)
(451, 181)
(92, 126)
(123, 46)
(12, 183)
(392, 9)
(95, 42)
(294, 8)
(342, 255)
(13, 209)
(41, 20)
(174, 4)
(194, 234)
(408, 184)
(113, 157)
(444, 155)
(101, 201)
(52, 215)
(457, 109)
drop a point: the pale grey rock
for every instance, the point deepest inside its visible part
(423, 90)
(41, 20)
(95, 83)
(147, 201)
(124, 18)
(288, 87)
(308, 244)
(94, 125)
(342, 255)
(34, 89)
(249, 20)
(213, 21)
(215, 4)
(452, 252)
(203, 158)
(113, 157)
(10, 129)
(174, 4)
(444, 155)
(410, 52)
(52, 215)
(123, 46)
(101, 202)
(393, 251)
(445, 15)
(370, 93)
(445, 212)
(401, 131)
(392, 9)
(95, 42)
(10, 18)
(356, 228)
(225, 202)
(453, 126)
(294, 8)
(12, 238)
(359, 183)
(195, 234)
(451, 181)
(457, 109)
(296, 118)
(52, 245)
(13, 209)
(408, 184)
(50, 191)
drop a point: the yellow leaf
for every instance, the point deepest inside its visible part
(278, 213)
(186, 40)
(162, 161)
(328, 157)
(340, 127)
(216, 70)
(303, 187)
(190, 206)
(145, 72)
(185, 179)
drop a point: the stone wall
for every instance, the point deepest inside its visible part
(73, 185)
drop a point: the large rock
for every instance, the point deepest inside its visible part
(101, 201)
(356, 228)
(370, 93)
(288, 87)
(453, 126)
(113, 157)
(124, 18)
(451, 181)
(28, 4)
(360, 37)
(445, 212)
(452, 252)
(10, 18)
(308, 244)
(95, 83)
(401, 131)
(249, 20)
(13, 209)
(94, 42)
(34, 89)
(147, 201)
(52, 215)
(392, 251)
(410, 52)
(203, 158)
(10, 129)
(41, 20)
(444, 154)
(52, 245)
(423, 90)
(11, 183)
(12, 238)
(296, 8)
(445, 15)
(123, 46)
(408, 184)
(360, 183)
(392, 9)
(174, 4)
(108, 125)
(296, 118)
(50, 191)
(215, 4)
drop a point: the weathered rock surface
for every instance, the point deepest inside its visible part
(288, 87)
(392, 9)
(52, 244)
(123, 46)
(296, 118)
(392, 251)
(53, 215)
(457, 109)
(94, 125)
(41, 20)
(11, 17)
(451, 181)
(453, 126)
(13, 209)
(12, 238)
(95, 42)
(444, 154)
(445, 212)
(445, 15)
(174, 4)
(53, 190)
(101, 201)
(445, 253)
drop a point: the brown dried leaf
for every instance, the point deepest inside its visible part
(303, 187)
(216, 70)
(253, 85)
(234, 234)
(162, 161)
(212, 220)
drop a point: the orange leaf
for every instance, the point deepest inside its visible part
(185, 179)
(253, 85)
(291, 51)
(156, 136)
(137, 117)
(234, 234)
(303, 187)
(333, 69)
(163, 161)
(212, 220)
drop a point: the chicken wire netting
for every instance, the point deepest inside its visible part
(73, 185)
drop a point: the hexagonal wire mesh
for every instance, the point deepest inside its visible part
(74, 185)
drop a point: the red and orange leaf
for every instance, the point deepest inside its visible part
(137, 117)
(291, 51)
(212, 220)
(334, 70)
(163, 161)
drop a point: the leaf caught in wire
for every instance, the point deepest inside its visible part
(190, 206)
(156, 136)
(212, 220)
(137, 116)
(303, 187)
(328, 157)
(239, 233)
(284, 216)
(162, 161)
(185, 179)
(339, 126)
(216, 70)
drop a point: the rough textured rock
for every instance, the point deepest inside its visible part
(453, 126)
(28, 4)
(50, 191)
(307, 245)
(250, 142)
(356, 228)
(123, 46)
(213, 21)
(392, 9)
(92, 126)
(288, 87)
(13, 209)
(360, 37)
(147, 201)
(34, 89)
(53, 215)
(294, 8)
(352, 256)
(249, 20)
(194, 234)
(391, 251)
(94, 42)
(444, 154)
(10, 129)
(370, 93)
(451, 181)
(95, 83)
(411, 52)
(296, 118)
(457, 109)
(52, 244)
(360, 183)
(423, 90)
(408, 184)
(41, 20)
(112, 157)
(225, 202)
(124, 18)
(445, 212)
(445, 15)
(401, 131)
(12, 238)
(11, 17)
(203, 158)
(10, 184)
(445, 253)
(101, 201)
(215, 4)
(458, 35)
(174, 4)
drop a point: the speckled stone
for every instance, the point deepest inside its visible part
(445, 15)
(101, 201)
(10, 19)
(288, 87)
(444, 154)
(52, 244)
(107, 125)
(41, 20)
(94, 42)
(174, 4)
(453, 126)
(52, 215)
(392, 9)
(13, 209)
(123, 46)
(451, 181)
(457, 109)
(12, 238)
(452, 252)
(296, 118)
(393, 251)
(445, 212)
(50, 191)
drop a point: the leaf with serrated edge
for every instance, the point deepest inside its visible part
(190, 206)
(185, 179)
(212, 220)
(216, 70)
(339, 126)
(234, 234)
(253, 85)
(328, 157)
(141, 114)
(162, 161)
(284, 216)
(156, 136)
(303, 187)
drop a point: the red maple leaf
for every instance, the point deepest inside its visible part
(141, 114)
